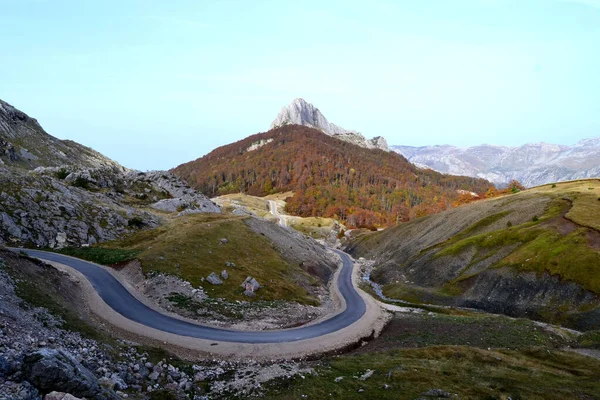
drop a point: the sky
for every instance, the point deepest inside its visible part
(153, 84)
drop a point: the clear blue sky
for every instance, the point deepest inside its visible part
(153, 84)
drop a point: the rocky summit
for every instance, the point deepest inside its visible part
(532, 164)
(300, 112)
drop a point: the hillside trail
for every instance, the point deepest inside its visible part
(273, 210)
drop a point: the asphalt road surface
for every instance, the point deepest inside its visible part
(123, 302)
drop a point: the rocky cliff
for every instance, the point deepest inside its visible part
(55, 193)
(300, 112)
(532, 164)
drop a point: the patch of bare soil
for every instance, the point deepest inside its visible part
(593, 238)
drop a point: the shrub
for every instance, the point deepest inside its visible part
(81, 182)
(508, 224)
(554, 185)
(136, 222)
(61, 173)
(535, 218)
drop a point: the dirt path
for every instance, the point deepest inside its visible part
(273, 210)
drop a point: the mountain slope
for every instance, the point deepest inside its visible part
(532, 254)
(25, 144)
(56, 193)
(329, 177)
(532, 164)
(300, 112)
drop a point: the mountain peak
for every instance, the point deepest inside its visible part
(301, 112)
(25, 144)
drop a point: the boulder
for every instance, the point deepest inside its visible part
(60, 396)
(6, 367)
(51, 369)
(224, 274)
(214, 279)
(251, 284)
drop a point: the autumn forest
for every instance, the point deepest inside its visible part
(331, 178)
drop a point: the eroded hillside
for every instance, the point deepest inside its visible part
(535, 254)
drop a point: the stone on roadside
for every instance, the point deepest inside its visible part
(214, 279)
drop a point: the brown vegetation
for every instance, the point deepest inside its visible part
(329, 178)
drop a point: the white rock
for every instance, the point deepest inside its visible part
(300, 112)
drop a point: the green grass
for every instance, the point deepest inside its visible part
(480, 225)
(472, 329)
(316, 227)
(535, 373)
(586, 210)
(590, 339)
(100, 255)
(567, 256)
(190, 247)
(541, 248)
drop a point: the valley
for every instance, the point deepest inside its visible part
(156, 291)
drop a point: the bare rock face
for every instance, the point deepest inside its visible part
(300, 112)
(532, 164)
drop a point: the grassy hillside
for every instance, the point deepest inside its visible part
(472, 356)
(193, 246)
(537, 252)
(256, 205)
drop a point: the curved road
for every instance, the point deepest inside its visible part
(123, 302)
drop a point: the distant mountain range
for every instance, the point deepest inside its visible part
(532, 164)
(300, 112)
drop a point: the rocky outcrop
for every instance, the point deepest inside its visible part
(532, 164)
(187, 204)
(60, 396)
(57, 370)
(69, 206)
(300, 112)
(24, 143)
(56, 193)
